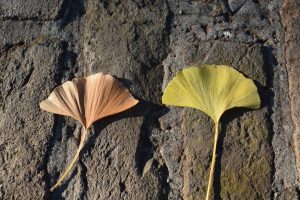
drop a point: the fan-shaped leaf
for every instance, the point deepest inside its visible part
(212, 89)
(87, 100)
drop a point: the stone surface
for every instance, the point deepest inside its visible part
(235, 5)
(32, 9)
(30, 74)
(286, 181)
(149, 151)
(291, 22)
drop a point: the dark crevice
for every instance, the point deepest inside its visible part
(160, 111)
(226, 9)
(298, 192)
(63, 9)
(165, 186)
(84, 180)
(46, 159)
(27, 77)
(70, 59)
(204, 28)
(151, 112)
(122, 187)
(169, 21)
(269, 65)
(67, 62)
(58, 123)
(261, 41)
(70, 11)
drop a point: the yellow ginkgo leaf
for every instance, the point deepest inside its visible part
(88, 99)
(213, 89)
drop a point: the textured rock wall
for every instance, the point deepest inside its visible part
(149, 151)
(291, 19)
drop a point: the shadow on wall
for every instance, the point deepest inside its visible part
(71, 10)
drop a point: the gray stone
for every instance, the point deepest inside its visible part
(10, 33)
(292, 25)
(30, 73)
(149, 151)
(286, 109)
(32, 9)
(235, 5)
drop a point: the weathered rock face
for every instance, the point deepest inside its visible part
(149, 151)
(32, 9)
(291, 17)
(29, 72)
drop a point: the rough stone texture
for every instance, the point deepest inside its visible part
(30, 74)
(291, 22)
(286, 181)
(31, 9)
(149, 151)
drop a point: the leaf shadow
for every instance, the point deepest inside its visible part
(145, 147)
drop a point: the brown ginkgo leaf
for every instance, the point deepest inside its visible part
(87, 100)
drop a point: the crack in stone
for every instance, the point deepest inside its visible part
(84, 180)
(27, 77)
(46, 159)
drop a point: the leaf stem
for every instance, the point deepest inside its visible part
(76, 157)
(213, 161)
